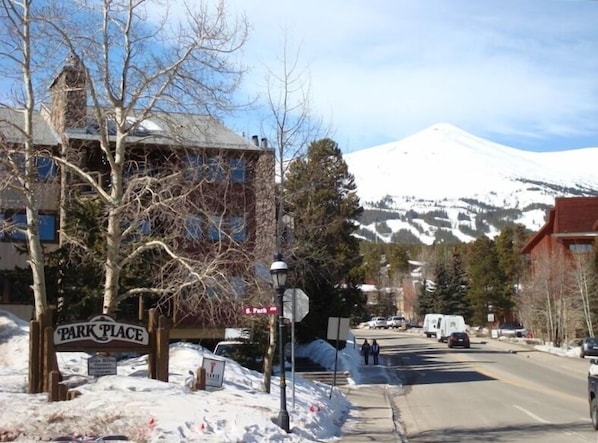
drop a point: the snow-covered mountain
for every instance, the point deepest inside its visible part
(445, 184)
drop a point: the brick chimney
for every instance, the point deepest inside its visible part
(69, 98)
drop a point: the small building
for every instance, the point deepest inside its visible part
(571, 226)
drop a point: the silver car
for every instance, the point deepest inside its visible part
(378, 323)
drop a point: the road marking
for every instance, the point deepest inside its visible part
(532, 415)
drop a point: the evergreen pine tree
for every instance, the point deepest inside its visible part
(324, 257)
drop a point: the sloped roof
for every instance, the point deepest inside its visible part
(163, 128)
(13, 119)
(575, 214)
(569, 217)
(179, 129)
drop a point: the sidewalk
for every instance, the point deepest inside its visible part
(371, 418)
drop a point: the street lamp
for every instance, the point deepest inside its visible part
(278, 272)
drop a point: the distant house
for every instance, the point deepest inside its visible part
(571, 226)
(237, 200)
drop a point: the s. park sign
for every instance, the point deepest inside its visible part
(100, 332)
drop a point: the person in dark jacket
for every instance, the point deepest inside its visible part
(375, 350)
(365, 351)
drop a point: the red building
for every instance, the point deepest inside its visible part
(572, 226)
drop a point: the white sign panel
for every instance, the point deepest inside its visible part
(300, 300)
(214, 371)
(100, 365)
(338, 328)
(101, 329)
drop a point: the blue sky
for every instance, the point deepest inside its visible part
(523, 73)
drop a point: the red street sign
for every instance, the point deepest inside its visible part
(260, 310)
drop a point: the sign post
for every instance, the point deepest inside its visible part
(337, 327)
(296, 307)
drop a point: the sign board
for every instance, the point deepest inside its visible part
(491, 318)
(214, 371)
(300, 300)
(260, 310)
(100, 331)
(338, 328)
(100, 365)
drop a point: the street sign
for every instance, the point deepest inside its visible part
(301, 304)
(338, 328)
(260, 310)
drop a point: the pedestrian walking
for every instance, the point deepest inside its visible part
(365, 351)
(375, 349)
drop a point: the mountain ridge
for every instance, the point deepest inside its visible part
(465, 185)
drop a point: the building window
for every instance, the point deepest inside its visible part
(193, 229)
(238, 229)
(214, 172)
(46, 169)
(214, 227)
(193, 165)
(238, 168)
(47, 227)
(580, 247)
(19, 221)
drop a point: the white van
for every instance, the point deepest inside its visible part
(432, 324)
(450, 324)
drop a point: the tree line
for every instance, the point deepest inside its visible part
(489, 282)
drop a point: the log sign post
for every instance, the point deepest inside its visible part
(101, 333)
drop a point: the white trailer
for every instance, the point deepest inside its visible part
(450, 324)
(432, 324)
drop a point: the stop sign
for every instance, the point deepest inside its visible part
(301, 302)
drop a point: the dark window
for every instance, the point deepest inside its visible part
(193, 229)
(238, 229)
(214, 227)
(214, 172)
(238, 167)
(47, 227)
(46, 169)
(193, 165)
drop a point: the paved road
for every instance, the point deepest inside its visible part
(492, 392)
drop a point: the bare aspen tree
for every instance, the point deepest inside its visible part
(129, 82)
(291, 125)
(583, 277)
(139, 68)
(549, 300)
(19, 157)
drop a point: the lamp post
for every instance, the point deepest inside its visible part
(278, 272)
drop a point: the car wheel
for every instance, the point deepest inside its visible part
(594, 413)
(450, 346)
(467, 346)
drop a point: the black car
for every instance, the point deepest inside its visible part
(589, 347)
(458, 339)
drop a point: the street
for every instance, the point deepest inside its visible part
(494, 391)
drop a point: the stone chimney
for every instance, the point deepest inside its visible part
(69, 99)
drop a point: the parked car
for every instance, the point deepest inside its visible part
(378, 323)
(245, 353)
(589, 347)
(512, 330)
(458, 339)
(396, 321)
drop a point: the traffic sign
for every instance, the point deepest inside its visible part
(300, 309)
(260, 310)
